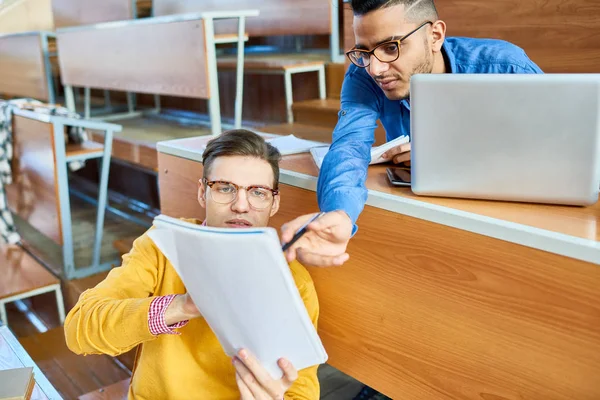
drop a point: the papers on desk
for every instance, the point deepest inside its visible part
(290, 144)
(16, 383)
(318, 153)
(243, 286)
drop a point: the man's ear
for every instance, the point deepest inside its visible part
(275, 206)
(201, 194)
(438, 33)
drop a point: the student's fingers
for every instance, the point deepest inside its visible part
(270, 385)
(245, 393)
(309, 259)
(288, 230)
(290, 374)
(394, 151)
(249, 380)
(400, 158)
(328, 222)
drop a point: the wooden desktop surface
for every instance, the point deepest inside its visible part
(579, 222)
(423, 310)
(13, 355)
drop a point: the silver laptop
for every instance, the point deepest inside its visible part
(526, 138)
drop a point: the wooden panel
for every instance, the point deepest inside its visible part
(349, 41)
(87, 12)
(26, 16)
(21, 273)
(179, 177)
(132, 151)
(161, 58)
(277, 17)
(569, 27)
(334, 78)
(22, 71)
(33, 195)
(439, 313)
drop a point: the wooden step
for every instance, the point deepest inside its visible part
(116, 391)
(70, 374)
(21, 273)
(324, 113)
(317, 112)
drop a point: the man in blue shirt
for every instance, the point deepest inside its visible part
(395, 39)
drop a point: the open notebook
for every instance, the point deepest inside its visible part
(242, 285)
(318, 153)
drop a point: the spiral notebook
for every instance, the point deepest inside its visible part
(242, 284)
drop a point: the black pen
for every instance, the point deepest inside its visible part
(300, 232)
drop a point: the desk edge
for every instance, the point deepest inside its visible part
(525, 235)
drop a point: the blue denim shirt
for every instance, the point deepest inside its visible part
(341, 184)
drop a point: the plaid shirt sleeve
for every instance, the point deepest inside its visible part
(156, 317)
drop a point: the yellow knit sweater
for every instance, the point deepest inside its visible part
(112, 318)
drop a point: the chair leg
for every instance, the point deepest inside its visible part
(322, 87)
(102, 197)
(289, 96)
(3, 317)
(60, 305)
(87, 102)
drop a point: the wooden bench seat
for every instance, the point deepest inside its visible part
(23, 277)
(268, 64)
(229, 38)
(89, 147)
(283, 66)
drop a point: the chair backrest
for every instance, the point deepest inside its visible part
(22, 69)
(277, 17)
(33, 195)
(163, 56)
(569, 28)
(25, 16)
(86, 12)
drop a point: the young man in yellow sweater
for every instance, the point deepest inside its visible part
(144, 302)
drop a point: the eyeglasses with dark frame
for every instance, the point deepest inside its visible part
(223, 192)
(385, 52)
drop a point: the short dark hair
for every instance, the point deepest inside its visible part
(241, 142)
(418, 10)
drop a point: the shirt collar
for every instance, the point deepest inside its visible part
(449, 57)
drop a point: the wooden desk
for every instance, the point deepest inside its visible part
(444, 298)
(13, 355)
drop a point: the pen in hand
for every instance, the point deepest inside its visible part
(300, 232)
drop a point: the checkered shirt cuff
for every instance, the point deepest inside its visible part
(156, 316)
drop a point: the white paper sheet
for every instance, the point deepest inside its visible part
(242, 285)
(290, 144)
(318, 153)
